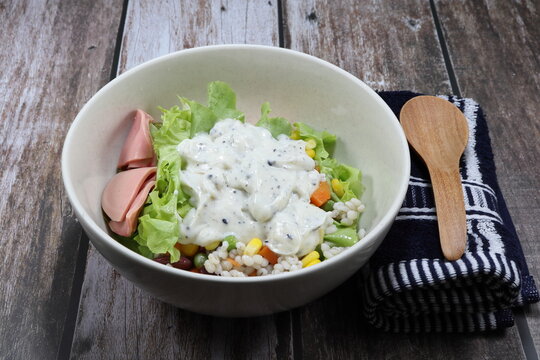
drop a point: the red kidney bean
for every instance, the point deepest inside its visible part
(184, 263)
(164, 259)
(203, 271)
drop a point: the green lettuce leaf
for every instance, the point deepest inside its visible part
(174, 127)
(329, 142)
(325, 141)
(203, 119)
(158, 226)
(158, 229)
(350, 177)
(221, 105)
(222, 101)
(133, 245)
(276, 125)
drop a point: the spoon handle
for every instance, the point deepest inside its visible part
(450, 208)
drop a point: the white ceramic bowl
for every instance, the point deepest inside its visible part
(300, 88)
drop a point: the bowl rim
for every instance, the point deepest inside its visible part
(366, 242)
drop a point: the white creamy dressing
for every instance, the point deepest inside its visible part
(246, 183)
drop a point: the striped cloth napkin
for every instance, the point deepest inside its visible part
(409, 287)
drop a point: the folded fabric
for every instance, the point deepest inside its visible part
(410, 287)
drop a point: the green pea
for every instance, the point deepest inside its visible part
(231, 240)
(199, 259)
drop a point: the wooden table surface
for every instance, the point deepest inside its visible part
(58, 296)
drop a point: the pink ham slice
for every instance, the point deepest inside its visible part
(129, 224)
(142, 163)
(122, 190)
(137, 150)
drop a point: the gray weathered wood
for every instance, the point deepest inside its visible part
(117, 320)
(494, 47)
(388, 44)
(47, 50)
(392, 45)
(152, 30)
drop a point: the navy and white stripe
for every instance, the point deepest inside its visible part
(480, 201)
(411, 288)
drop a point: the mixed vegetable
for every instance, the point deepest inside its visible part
(156, 232)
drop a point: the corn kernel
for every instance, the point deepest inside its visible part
(311, 144)
(188, 249)
(309, 258)
(314, 262)
(253, 247)
(212, 246)
(310, 153)
(337, 186)
(295, 135)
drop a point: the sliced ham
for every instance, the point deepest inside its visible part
(122, 190)
(129, 224)
(142, 163)
(137, 150)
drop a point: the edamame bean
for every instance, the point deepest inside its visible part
(231, 239)
(199, 259)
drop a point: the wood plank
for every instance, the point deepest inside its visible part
(117, 320)
(391, 45)
(387, 44)
(494, 48)
(153, 31)
(46, 51)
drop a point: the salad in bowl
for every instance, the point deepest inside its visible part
(203, 190)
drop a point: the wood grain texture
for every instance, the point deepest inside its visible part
(388, 44)
(47, 50)
(153, 31)
(391, 45)
(494, 46)
(117, 320)
(438, 131)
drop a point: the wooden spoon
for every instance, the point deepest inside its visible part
(438, 131)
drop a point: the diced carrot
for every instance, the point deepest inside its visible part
(195, 270)
(233, 262)
(268, 255)
(253, 273)
(321, 195)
